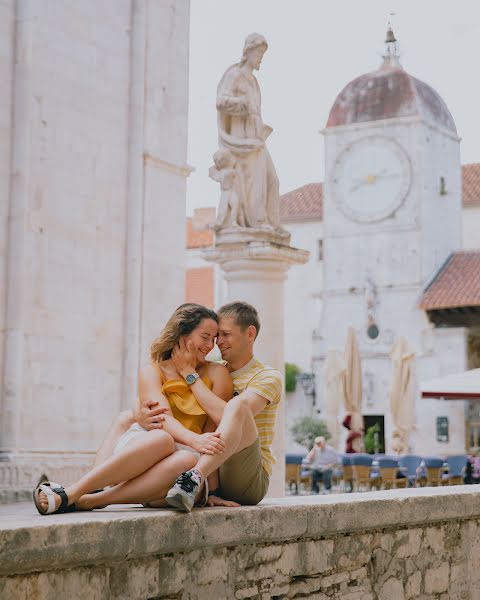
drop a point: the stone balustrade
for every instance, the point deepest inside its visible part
(392, 545)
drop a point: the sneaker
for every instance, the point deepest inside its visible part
(182, 494)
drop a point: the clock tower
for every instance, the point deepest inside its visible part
(392, 216)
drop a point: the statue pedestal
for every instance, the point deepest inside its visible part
(255, 264)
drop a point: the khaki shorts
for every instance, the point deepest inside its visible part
(242, 477)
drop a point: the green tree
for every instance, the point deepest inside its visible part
(291, 374)
(305, 429)
(371, 440)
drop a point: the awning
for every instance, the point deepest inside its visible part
(461, 386)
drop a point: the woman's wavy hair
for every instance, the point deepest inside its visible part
(184, 320)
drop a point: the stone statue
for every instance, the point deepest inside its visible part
(248, 180)
(230, 211)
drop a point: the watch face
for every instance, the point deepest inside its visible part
(191, 378)
(371, 179)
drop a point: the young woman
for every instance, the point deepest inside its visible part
(142, 465)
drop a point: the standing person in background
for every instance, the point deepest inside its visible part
(353, 443)
(322, 458)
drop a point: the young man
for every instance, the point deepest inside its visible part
(246, 423)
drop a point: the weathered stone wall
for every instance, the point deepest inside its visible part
(93, 148)
(404, 544)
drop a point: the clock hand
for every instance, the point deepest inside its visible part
(387, 176)
(358, 185)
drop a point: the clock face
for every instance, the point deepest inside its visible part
(371, 179)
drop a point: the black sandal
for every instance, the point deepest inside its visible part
(50, 489)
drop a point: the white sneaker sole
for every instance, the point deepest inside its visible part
(180, 502)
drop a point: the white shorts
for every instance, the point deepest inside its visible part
(136, 430)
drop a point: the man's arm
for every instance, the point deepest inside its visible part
(310, 455)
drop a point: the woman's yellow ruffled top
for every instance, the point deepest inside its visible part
(184, 405)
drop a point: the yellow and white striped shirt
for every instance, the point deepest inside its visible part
(266, 382)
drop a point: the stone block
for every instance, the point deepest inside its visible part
(436, 579)
(391, 589)
(304, 586)
(434, 539)
(334, 579)
(244, 593)
(211, 567)
(413, 585)
(172, 573)
(136, 579)
(408, 543)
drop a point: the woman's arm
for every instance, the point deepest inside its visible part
(212, 401)
(149, 393)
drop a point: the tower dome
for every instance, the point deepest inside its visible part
(388, 93)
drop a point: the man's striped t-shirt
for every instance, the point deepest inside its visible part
(266, 382)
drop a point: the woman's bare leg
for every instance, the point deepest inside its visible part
(119, 426)
(151, 486)
(138, 456)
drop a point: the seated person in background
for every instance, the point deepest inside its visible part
(322, 459)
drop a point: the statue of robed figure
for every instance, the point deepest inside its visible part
(250, 195)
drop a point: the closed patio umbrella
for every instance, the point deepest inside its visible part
(334, 392)
(402, 395)
(353, 381)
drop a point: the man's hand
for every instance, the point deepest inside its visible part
(217, 501)
(208, 443)
(151, 416)
(183, 357)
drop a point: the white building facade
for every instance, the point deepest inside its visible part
(93, 121)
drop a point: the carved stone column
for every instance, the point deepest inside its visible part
(255, 264)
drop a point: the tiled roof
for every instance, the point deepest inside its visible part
(456, 284)
(199, 234)
(385, 94)
(471, 185)
(305, 202)
(200, 285)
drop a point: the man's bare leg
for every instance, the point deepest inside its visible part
(119, 426)
(238, 431)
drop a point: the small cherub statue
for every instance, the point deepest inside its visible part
(230, 213)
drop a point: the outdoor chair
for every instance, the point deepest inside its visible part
(361, 465)
(434, 470)
(347, 475)
(456, 469)
(295, 473)
(411, 463)
(389, 470)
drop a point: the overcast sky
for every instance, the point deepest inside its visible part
(315, 48)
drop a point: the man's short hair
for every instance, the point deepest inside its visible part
(319, 439)
(242, 313)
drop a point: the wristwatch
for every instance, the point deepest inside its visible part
(191, 378)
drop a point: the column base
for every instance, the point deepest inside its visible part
(21, 472)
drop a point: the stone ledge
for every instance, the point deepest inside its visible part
(31, 543)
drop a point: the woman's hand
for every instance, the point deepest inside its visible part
(217, 501)
(183, 357)
(208, 443)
